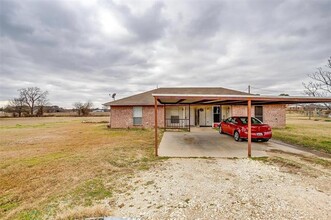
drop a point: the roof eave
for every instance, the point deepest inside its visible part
(201, 98)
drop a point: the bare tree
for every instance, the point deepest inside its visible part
(321, 84)
(83, 109)
(87, 108)
(41, 103)
(78, 107)
(33, 96)
(17, 105)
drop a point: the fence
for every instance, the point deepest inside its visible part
(177, 123)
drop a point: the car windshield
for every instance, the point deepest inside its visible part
(255, 121)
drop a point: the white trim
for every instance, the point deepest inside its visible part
(201, 95)
(241, 96)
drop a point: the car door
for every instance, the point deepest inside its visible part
(226, 125)
(232, 126)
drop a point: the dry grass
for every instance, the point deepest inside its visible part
(84, 212)
(50, 165)
(314, 133)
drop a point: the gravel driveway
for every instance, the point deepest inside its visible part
(224, 189)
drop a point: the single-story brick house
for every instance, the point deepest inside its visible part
(138, 110)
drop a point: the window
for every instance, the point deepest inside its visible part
(228, 120)
(234, 121)
(244, 120)
(231, 120)
(216, 112)
(137, 115)
(255, 121)
(174, 119)
(259, 112)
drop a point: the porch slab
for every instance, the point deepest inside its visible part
(206, 142)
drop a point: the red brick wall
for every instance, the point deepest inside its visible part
(241, 110)
(274, 115)
(122, 117)
(148, 116)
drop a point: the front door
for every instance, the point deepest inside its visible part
(202, 117)
(209, 116)
(226, 111)
(205, 116)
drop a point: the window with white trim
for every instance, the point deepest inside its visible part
(137, 115)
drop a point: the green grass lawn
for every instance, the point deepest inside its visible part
(314, 133)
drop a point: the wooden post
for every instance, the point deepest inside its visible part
(249, 112)
(155, 126)
(189, 118)
(165, 117)
(109, 116)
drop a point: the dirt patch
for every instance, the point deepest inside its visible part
(223, 189)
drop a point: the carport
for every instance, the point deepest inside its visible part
(247, 100)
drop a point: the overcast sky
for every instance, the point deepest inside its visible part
(83, 50)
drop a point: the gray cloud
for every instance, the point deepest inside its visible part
(81, 50)
(148, 26)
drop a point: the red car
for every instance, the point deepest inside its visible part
(238, 128)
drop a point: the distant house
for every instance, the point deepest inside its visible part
(312, 109)
(138, 110)
(98, 110)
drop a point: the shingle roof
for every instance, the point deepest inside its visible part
(146, 98)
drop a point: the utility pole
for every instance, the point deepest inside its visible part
(249, 89)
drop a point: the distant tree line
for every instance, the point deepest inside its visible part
(33, 101)
(83, 109)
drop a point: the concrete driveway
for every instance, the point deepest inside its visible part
(207, 142)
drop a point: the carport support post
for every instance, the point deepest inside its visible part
(155, 126)
(189, 118)
(164, 117)
(249, 115)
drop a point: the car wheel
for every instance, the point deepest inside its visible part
(220, 130)
(236, 136)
